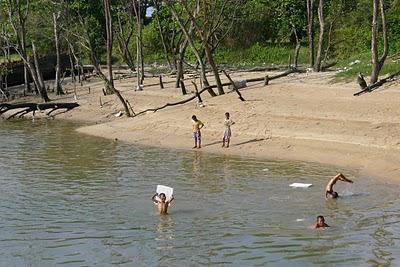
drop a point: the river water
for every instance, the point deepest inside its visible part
(68, 199)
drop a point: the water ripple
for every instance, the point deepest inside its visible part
(74, 200)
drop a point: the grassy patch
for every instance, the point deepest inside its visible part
(348, 70)
(13, 57)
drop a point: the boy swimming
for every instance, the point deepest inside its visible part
(329, 193)
(320, 223)
(162, 202)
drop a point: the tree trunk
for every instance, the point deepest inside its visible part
(179, 72)
(139, 45)
(109, 33)
(321, 19)
(179, 63)
(194, 49)
(109, 82)
(57, 84)
(214, 68)
(310, 19)
(22, 21)
(297, 48)
(377, 62)
(123, 44)
(27, 85)
(38, 74)
(71, 62)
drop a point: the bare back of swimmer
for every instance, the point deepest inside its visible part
(329, 193)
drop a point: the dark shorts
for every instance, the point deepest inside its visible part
(197, 136)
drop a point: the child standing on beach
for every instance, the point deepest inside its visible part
(197, 125)
(227, 130)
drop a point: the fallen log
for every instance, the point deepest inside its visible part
(197, 94)
(286, 73)
(374, 86)
(33, 107)
(172, 104)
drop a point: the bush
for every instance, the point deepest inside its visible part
(258, 55)
(350, 42)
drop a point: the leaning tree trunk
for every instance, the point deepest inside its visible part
(179, 63)
(214, 68)
(297, 48)
(109, 83)
(57, 83)
(123, 44)
(38, 76)
(310, 19)
(377, 62)
(194, 49)
(321, 19)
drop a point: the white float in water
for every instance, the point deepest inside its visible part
(168, 191)
(300, 185)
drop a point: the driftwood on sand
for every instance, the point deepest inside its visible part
(198, 93)
(374, 86)
(234, 85)
(25, 108)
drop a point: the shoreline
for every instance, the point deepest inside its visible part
(301, 117)
(345, 158)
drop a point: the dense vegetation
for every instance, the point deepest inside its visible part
(190, 33)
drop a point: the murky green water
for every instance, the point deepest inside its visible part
(72, 200)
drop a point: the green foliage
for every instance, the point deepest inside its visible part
(349, 72)
(91, 13)
(259, 55)
(262, 31)
(351, 41)
(151, 38)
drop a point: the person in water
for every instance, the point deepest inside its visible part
(329, 193)
(227, 130)
(320, 223)
(162, 202)
(197, 125)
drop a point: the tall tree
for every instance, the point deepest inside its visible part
(18, 15)
(57, 82)
(311, 31)
(125, 31)
(84, 15)
(377, 62)
(191, 42)
(109, 45)
(17, 21)
(137, 6)
(321, 18)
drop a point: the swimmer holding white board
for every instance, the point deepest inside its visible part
(163, 198)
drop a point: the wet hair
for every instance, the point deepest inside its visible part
(226, 113)
(332, 193)
(194, 118)
(162, 194)
(320, 217)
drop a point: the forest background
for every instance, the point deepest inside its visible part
(239, 33)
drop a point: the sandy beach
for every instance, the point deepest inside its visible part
(304, 117)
